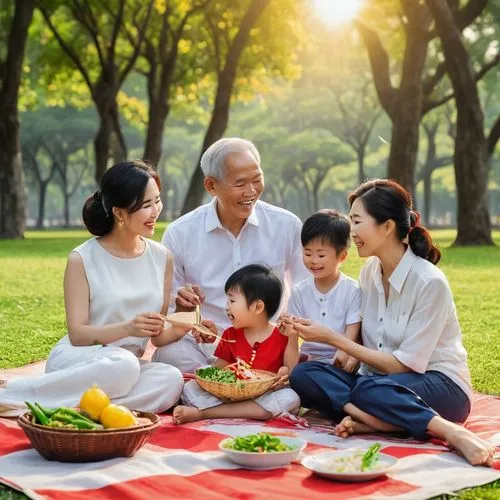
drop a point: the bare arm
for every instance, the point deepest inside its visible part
(291, 355)
(381, 361)
(77, 303)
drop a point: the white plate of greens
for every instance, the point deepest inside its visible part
(351, 465)
(262, 450)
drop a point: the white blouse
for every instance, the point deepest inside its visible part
(419, 324)
(336, 309)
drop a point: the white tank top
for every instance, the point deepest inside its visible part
(122, 288)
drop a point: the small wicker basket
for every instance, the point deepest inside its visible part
(240, 390)
(70, 445)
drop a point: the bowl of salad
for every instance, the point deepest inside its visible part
(262, 450)
(351, 465)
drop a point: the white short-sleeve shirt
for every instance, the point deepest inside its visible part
(419, 324)
(205, 253)
(336, 309)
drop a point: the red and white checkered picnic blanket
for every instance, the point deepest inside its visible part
(184, 462)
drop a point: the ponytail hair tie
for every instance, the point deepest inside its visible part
(414, 220)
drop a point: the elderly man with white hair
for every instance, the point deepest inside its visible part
(233, 230)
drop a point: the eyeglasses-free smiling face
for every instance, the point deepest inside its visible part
(241, 187)
(238, 311)
(368, 236)
(321, 258)
(142, 221)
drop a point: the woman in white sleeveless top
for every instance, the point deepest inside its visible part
(115, 287)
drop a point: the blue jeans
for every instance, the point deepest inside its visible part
(406, 400)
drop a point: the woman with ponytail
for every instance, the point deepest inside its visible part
(116, 287)
(414, 375)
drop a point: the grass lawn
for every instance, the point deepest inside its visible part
(32, 306)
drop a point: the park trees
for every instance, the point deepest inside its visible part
(95, 37)
(16, 18)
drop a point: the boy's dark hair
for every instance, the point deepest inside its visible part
(257, 282)
(330, 227)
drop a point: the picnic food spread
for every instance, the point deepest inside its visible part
(96, 413)
(258, 443)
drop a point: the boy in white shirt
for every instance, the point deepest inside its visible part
(328, 296)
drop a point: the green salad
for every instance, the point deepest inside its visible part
(216, 374)
(258, 443)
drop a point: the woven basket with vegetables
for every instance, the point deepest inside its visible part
(235, 382)
(70, 435)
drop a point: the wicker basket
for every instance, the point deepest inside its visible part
(70, 445)
(240, 390)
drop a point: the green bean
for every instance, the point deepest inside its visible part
(370, 457)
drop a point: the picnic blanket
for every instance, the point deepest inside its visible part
(184, 462)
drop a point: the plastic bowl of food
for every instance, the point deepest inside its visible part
(350, 465)
(262, 451)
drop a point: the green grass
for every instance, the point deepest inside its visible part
(32, 306)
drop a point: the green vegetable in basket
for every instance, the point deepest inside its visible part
(61, 417)
(370, 457)
(40, 417)
(258, 443)
(214, 374)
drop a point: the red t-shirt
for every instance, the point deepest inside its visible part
(268, 354)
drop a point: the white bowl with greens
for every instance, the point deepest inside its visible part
(351, 465)
(262, 450)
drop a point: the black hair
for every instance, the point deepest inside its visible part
(257, 282)
(122, 186)
(385, 199)
(329, 226)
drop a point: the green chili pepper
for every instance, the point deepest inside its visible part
(39, 416)
(370, 457)
(48, 412)
(75, 414)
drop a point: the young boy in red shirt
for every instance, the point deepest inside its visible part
(253, 297)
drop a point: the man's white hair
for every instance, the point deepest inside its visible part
(214, 159)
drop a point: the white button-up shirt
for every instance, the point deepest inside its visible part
(205, 253)
(336, 309)
(419, 324)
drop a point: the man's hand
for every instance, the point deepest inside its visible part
(203, 338)
(188, 297)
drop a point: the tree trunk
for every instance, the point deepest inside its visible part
(407, 113)
(12, 197)
(102, 144)
(427, 178)
(220, 113)
(41, 204)
(154, 136)
(403, 104)
(470, 157)
(360, 153)
(67, 217)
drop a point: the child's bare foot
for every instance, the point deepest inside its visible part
(348, 427)
(184, 414)
(3, 383)
(471, 447)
